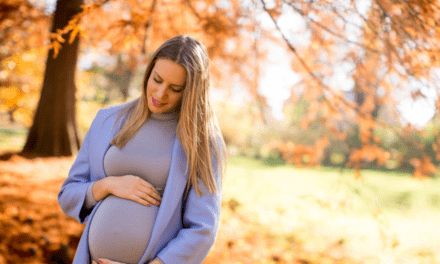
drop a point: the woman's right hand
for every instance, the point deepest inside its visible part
(133, 188)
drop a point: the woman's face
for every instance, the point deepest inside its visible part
(165, 86)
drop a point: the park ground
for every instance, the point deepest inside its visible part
(271, 214)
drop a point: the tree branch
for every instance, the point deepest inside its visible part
(331, 31)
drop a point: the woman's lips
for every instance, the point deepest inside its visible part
(156, 102)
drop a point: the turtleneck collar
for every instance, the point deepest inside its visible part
(169, 116)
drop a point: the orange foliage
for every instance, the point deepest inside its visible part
(33, 227)
(299, 154)
(423, 167)
(136, 28)
(388, 46)
(366, 154)
(381, 49)
(19, 94)
(23, 25)
(436, 144)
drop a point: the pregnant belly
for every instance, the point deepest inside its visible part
(120, 230)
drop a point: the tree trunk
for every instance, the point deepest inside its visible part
(54, 131)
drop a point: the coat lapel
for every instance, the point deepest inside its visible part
(172, 197)
(104, 134)
(100, 143)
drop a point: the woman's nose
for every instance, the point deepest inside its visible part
(161, 92)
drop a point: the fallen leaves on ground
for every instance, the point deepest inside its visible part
(34, 230)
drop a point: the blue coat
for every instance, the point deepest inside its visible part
(184, 230)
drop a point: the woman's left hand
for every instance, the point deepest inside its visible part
(106, 261)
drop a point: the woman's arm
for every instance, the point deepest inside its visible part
(73, 191)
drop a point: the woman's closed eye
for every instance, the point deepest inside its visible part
(176, 91)
(159, 80)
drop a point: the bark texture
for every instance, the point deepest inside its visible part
(54, 130)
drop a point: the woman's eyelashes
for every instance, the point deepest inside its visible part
(158, 81)
(176, 91)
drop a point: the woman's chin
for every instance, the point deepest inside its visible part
(157, 109)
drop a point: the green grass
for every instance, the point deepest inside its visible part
(386, 190)
(12, 139)
(379, 213)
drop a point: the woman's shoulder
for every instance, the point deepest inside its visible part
(108, 114)
(113, 109)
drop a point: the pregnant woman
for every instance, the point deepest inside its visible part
(147, 179)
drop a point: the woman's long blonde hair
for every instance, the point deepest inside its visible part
(197, 128)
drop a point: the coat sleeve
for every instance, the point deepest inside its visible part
(72, 195)
(201, 217)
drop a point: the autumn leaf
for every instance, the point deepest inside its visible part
(357, 173)
(74, 33)
(275, 13)
(58, 36)
(10, 96)
(56, 46)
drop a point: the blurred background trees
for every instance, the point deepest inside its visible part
(362, 66)
(23, 30)
(360, 69)
(57, 106)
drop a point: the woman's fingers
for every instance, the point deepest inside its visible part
(106, 261)
(153, 193)
(147, 198)
(138, 199)
(150, 189)
(136, 189)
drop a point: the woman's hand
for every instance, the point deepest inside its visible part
(106, 261)
(133, 188)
